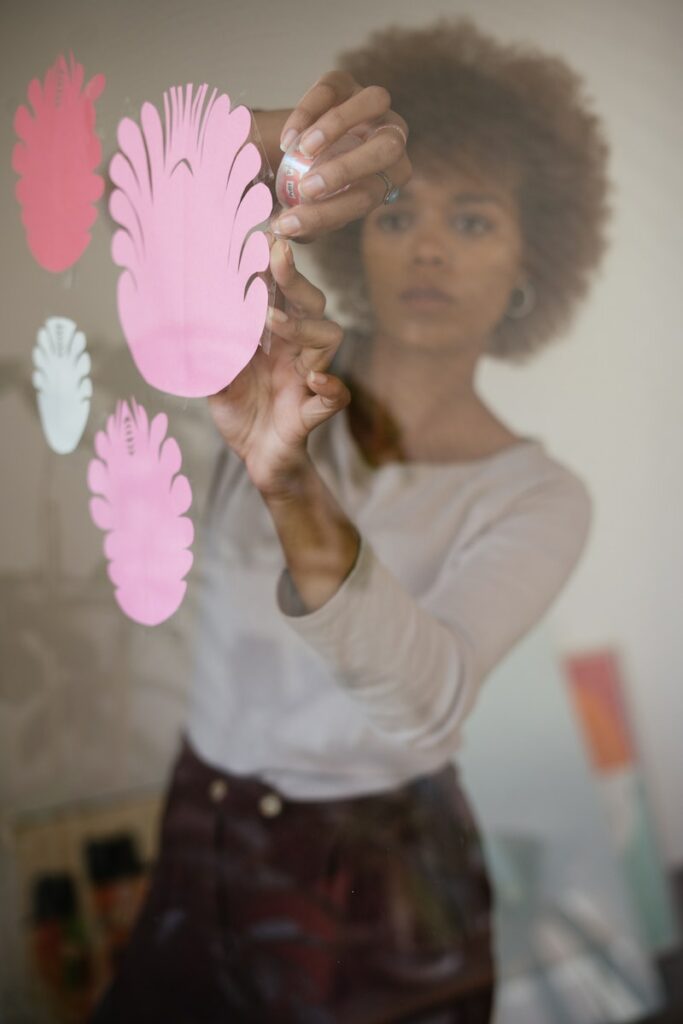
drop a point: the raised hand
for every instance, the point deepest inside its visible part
(334, 105)
(266, 414)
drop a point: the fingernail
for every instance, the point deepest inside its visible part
(312, 186)
(317, 378)
(277, 315)
(287, 139)
(311, 142)
(287, 225)
(289, 255)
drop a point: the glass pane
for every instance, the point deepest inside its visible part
(339, 669)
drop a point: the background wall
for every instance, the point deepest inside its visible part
(90, 702)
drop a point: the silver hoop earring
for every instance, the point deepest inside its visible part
(522, 301)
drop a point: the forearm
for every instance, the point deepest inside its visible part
(319, 541)
(412, 675)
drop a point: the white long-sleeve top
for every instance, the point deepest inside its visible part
(457, 563)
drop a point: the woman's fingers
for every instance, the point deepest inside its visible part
(329, 396)
(313, 342)
(335, 105)
(330, 90)
(357, 112)
(384, 150)
(296, 288)
(368, 191)
(325, 215)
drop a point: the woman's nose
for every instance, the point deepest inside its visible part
(428, 255)
(430, 247)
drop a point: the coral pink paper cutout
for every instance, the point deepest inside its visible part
(56, 159)
(140, 498)
(189, 304)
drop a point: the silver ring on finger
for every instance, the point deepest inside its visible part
(394, 128)
(392, 192)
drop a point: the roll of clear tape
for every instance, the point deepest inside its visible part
(295, 164)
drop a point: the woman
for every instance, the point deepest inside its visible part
(319, 860)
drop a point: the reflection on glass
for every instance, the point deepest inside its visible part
(376, 541)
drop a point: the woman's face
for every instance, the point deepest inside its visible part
(441, 262)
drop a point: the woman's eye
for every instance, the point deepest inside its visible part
(393, 221)
(472, 223)
(465, 223)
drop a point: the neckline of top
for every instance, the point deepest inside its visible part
(523, 444)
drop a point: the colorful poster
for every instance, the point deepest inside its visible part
(140, 498)
(56, 157)
(598, 693)
(190, 305)
(62, 382)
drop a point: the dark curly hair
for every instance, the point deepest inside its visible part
(470, 100)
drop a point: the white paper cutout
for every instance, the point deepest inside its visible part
(189, 304)
(140, 501)
(62, 382)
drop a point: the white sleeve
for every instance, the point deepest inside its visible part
(416, 666)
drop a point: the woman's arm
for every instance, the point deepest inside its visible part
(415, 666)
(266, 415)
(320, 543)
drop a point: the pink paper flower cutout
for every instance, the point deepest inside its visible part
(189, 304)
(140, 501)
(56, 159)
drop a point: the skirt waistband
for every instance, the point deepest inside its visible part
(250, 793)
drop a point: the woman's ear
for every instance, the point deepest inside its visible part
(522, 300)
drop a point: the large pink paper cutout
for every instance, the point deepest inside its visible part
(189, 304)
(140, 500)
(61, 379)
(56, 158)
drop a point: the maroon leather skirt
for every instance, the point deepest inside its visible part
(364, 910)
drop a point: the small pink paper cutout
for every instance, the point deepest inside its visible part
(56, 159)
(140, 498)
(189, 304)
